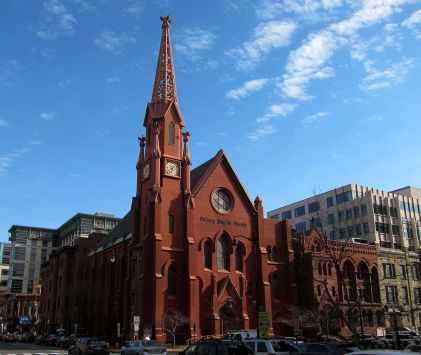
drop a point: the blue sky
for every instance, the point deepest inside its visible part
(302, 95)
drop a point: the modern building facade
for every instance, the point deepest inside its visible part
(82, 225)
(389, 220)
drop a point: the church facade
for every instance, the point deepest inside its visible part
(193, 246)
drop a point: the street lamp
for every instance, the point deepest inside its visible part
(395, 321)
(361, 322)
(255, 241)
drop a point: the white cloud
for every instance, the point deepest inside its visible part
(412, 20)
(316, 118)
(191, 42)
(247, 88)
(85, 5)
(75, 175)
(380, 79)
(113, 42)
(7, 160)
(309, 9)
(265, 37)
(134, 8)
(279, 110)
(112, 80)
(47, 116)
(261, 132)
(59, 23)
(307, 63)
(3, 122)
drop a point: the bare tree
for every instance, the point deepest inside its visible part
(172, 320)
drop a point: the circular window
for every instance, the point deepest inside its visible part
(222, 201)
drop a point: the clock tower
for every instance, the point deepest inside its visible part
(163, 186)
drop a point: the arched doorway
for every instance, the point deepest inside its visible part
(229, 314)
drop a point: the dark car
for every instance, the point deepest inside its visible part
(89, 346)
(321, 349)
(217, 347)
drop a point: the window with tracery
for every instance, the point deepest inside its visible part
(171, 290)
(208, 255)
(223, 255)
(171, 133)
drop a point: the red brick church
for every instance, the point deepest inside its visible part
(193, 244)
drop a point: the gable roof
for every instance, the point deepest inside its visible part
(121, 229)
(199, 175)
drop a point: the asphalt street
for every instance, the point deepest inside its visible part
(29, 348)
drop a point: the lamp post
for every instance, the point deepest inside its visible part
(361, 323)
(255, 241)
(395, 323)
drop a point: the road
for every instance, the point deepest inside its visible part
(29, 348)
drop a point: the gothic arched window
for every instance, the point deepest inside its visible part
(222, 255)
(171, 133)
(171, 290)
(275, 286)
(239, 258)
(208, 255)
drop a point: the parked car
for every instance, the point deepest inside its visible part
(271, 346)
(89, 346)
(74, 337)
(367, 340)
(63, 341)
(414, 348)
(321, 349)
(378, 352)
(39, 339)
(142, 347)
(241, 335)
(216, 347)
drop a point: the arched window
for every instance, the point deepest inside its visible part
(171, 281)
(239, 258)
(171, 133)
(319, 268)
(274, 254)
(222, 255)
(324, 269)
(275, 286)
(208, 255)
(269, 252)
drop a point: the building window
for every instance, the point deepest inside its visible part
(275, 286)
(171, 290)
(329, 201)
(403, 271)
(286, 215)
(350, 231)
(331, 218)
(357, 211)
(417, 295)
(349, 214)
(171, 224)
(222, 255)
(208, 255)
(366, 228)
(341, 216)
(275, 216)
(358, 229)
(342, 233)
(222, 201)
(239, 258)
(405, 298)
(416, 271)
(171, 133)
(300, 211)
(389, 271)
(313, 207)
(332, 235)
(391, 294)
(364, 210)
(300, 227)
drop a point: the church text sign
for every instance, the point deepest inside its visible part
(224, 222)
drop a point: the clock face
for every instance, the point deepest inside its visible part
(172, 168)
(145, 171)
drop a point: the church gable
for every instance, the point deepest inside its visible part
(226, 289)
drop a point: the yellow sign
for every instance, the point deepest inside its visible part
(263, 324)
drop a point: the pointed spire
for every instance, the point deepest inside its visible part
(164, 89)
(141, 158)
(186, 163)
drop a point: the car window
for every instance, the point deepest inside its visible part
(316, 348)
(190, 350)
(96, 342)
(133, 344)
(283, 346)
(202, 348)
(150, 343)
(239, 350)
(250, 344)
(261, 347)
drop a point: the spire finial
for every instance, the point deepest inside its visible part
(164, 89)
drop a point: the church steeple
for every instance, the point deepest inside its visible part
(164, 89)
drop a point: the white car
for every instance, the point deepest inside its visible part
(379, 352)
(271, 346)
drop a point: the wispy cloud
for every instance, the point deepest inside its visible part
(9, 70)
(3, 122)
(85, 5)
(47, 116)
(315, 119)
(314, 10)
(412, 22)
(248, 87)
(112, 42)
(134, 8)
(311, 60)
(112, 80)
(75, 175)
(380, 79)
(59, 22)
(274, 111)
(192, 42)
(261, 132)
(7, 160)
(265, 37)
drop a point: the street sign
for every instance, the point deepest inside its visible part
(136, 322)
(263, 324)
